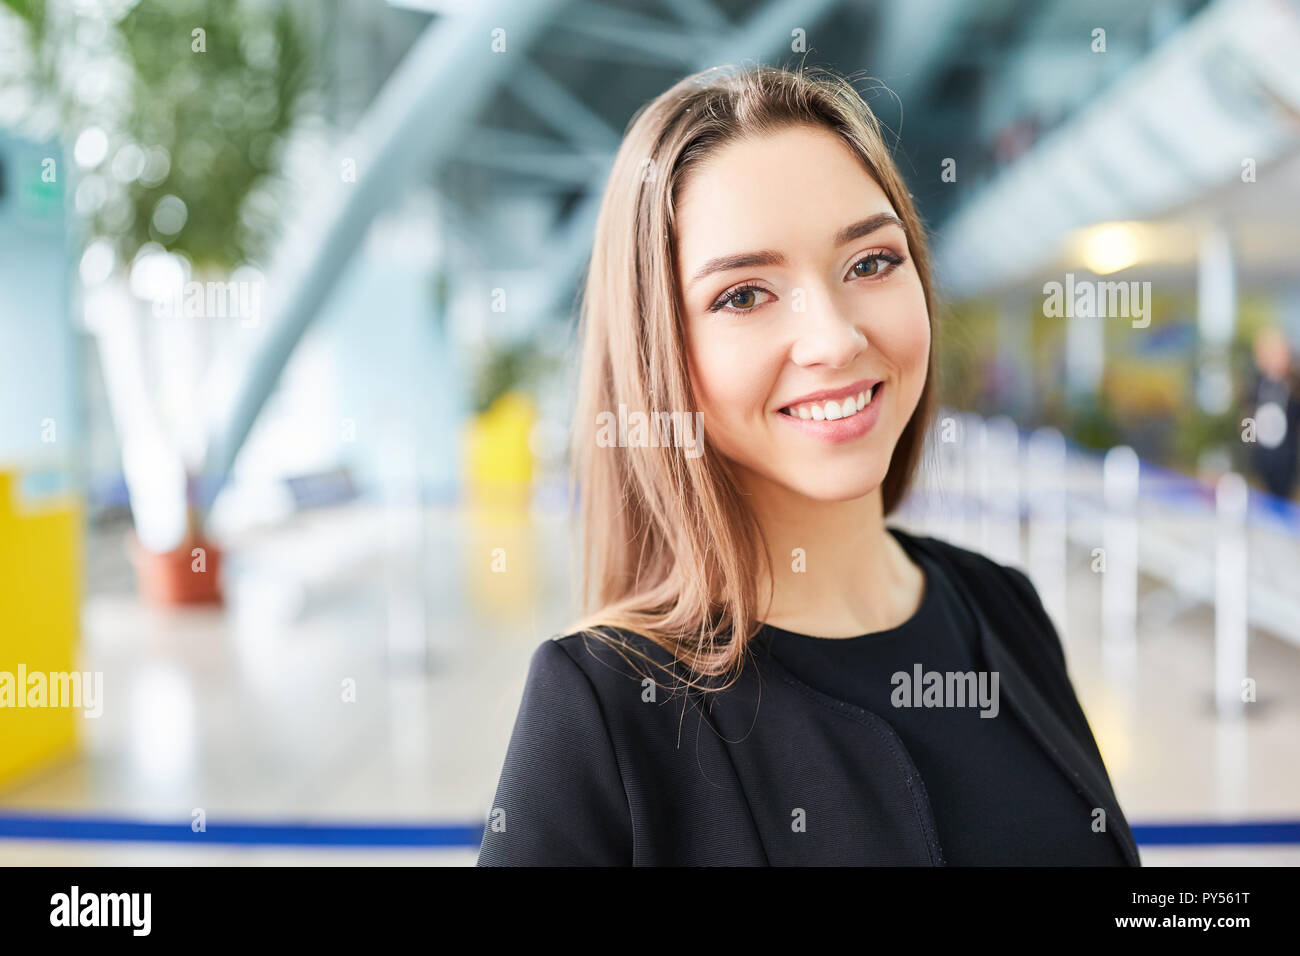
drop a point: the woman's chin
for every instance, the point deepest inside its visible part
(835, 484)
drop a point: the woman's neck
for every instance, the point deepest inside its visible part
(836, 569)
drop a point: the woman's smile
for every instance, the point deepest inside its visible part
(837, 421)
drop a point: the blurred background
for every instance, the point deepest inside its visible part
(286, 314)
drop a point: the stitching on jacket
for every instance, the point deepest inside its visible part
(896, 748)
(604, 723)
(735, 772)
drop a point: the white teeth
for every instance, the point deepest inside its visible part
(833, 411)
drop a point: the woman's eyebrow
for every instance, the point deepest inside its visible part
(867, 226)
(739, 261)
(767, 257)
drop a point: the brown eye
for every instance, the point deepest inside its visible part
(875, 265)
(742, 299)
(872, 264)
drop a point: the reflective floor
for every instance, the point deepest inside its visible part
(316, 696)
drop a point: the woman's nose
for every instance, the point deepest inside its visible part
(825, 332)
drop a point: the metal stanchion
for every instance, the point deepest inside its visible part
(974, 468)
(951, 479)
(1230, 595)
(1002, 491)
(1231, 734)
(1120, 477)
(1046, 495)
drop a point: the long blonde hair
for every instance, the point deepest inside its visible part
(668, 548)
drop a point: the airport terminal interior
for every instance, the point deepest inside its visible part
(287, 298)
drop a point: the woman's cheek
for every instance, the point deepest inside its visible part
(914, 352)
(733, 380)
(904, 340)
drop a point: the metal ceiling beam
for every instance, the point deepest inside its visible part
(416, 121)
(556, 106)
(699, 15)
(522, 155)
(623, 29)
(917, 36)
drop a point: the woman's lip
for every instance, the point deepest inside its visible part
(834, 394)
(842, 429)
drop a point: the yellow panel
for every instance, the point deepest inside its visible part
(40, 563)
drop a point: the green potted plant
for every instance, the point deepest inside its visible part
(179, 162)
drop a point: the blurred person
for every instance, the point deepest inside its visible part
(1275, 407)
(767, 673)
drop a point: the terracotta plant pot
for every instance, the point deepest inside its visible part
(188, 575)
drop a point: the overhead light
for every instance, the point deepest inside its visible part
(1110, 247)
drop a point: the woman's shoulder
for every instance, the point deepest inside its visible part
(609, 656)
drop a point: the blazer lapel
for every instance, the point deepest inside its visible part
(1042, 719)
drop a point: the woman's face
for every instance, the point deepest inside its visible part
(802, 303)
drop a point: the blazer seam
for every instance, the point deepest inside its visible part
(604, 724)
(735, 772)
(901, 758)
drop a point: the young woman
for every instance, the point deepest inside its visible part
(767, 673)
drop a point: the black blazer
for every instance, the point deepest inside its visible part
(599, 773)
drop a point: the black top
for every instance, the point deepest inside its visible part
(607, 767)
(998, 799)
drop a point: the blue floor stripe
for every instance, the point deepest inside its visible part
(1207, 834)
(34, 827)
(18, 826)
